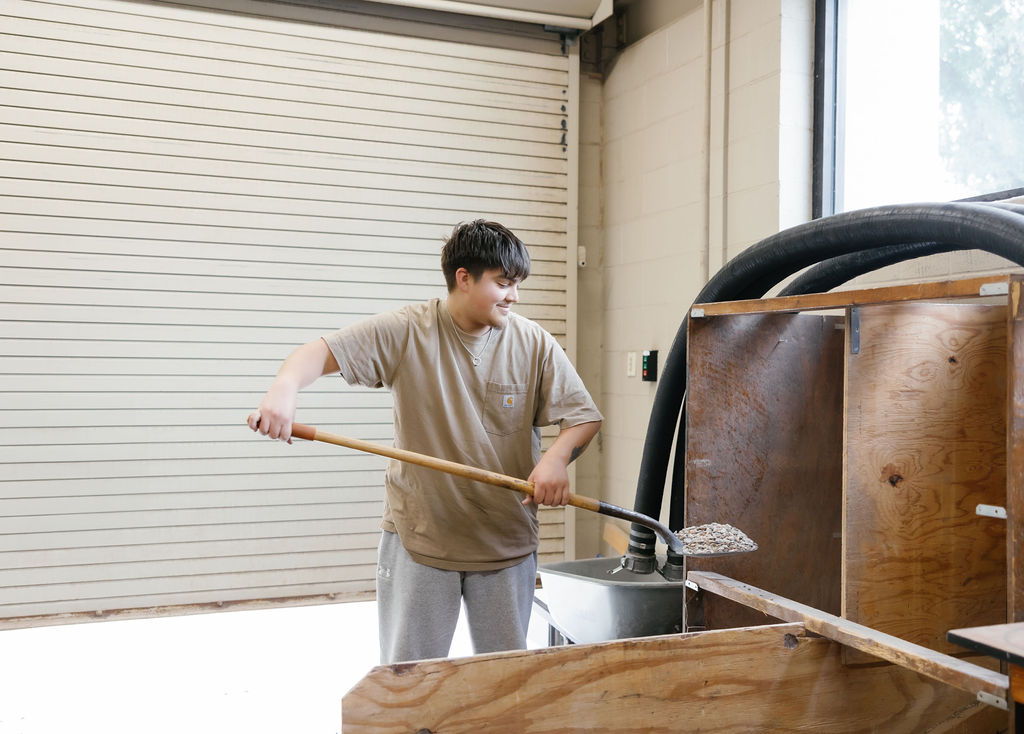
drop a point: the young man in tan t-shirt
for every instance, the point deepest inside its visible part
(472, 382)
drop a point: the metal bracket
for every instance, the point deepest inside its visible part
(994, 289)
(696, 313)
(991, 511)
(692, 585)
(569, 36)
(999, 703)
(854, 330)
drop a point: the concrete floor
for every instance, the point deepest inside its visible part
(276, 671)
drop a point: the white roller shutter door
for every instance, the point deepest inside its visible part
(186, 194)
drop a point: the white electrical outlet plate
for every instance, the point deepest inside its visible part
(630, 364)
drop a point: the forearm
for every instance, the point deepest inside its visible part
(551, 476)
(573, 441)
(276, 412)
(305, 365)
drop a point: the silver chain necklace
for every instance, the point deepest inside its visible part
(475, 357)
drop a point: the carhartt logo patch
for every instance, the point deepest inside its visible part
(509, 401)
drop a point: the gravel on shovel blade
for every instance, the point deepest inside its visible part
(715, 539)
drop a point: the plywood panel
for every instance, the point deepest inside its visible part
(926, 443)
(768, 679)
(764, 431)
(1015, 457)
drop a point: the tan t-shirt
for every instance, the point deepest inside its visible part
(487, 416)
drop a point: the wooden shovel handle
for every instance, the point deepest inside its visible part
(311, 433)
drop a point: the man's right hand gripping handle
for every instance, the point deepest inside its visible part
(276, 413)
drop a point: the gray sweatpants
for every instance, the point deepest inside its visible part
(418, 606)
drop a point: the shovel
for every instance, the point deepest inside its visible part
(674, 543)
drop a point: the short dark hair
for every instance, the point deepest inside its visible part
(481, 245)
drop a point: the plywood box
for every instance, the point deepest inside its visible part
(855, 446)
(854, 436)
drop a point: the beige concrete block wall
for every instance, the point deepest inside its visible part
(590, 290)
(648, 250)
(645, 205)
(655, 257)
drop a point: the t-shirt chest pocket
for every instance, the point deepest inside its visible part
(505, 409)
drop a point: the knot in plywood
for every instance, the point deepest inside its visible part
(891, 473)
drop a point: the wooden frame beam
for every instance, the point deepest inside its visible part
(967, 288)
(938, 666)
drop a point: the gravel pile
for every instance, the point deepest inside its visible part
(713, 539)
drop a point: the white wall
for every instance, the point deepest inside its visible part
(649, 253)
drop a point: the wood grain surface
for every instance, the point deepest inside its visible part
(764, 679)
(1001, 641)
(966, 288)
(925, 444)
(764, 453)
(962, 674)
(1015, 468)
